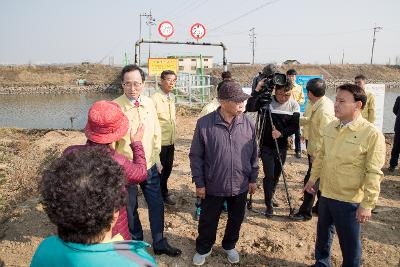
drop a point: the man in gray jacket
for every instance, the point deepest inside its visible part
(224, 164)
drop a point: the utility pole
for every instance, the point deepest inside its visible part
(252, 40)
(342, 56)
(150, 21)
(376, 29)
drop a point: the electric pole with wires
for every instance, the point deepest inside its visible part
(150, 21)
(376, 29)
(252, 41)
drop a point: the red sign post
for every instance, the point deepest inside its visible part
(197, 31)
(166, 29)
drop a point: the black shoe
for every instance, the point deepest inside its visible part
(269, 212)
(169, 251)
(225, 207)
(298, 154)
(391, 169)
(168, 201)
(300, 217)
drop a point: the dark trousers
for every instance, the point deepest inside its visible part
(308, 199)
(272, 171)
(297, 142)
(152, 194)
(211, 208)
(395, 150)
(167, 159)
(339, 215)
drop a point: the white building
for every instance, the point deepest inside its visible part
(190, 64)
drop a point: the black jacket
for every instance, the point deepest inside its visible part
(396, 111)
(285, 118)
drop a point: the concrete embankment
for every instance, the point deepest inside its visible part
(57, 89)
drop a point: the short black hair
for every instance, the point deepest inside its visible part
(226, 75)
(316, 86)
(129, 68)
(291, 72)
(357, 92)
(286, 87)
(360, 77)
(167, 72)
(80, 193)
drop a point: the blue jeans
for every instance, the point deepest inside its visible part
(152, 193)
(342, 216)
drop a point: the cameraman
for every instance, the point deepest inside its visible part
(268, 70)
(285, 118)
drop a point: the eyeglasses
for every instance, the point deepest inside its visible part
(284, 94)
(134, 84)
(170, 80)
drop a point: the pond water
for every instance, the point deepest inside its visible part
(70, 111)
(47, 111)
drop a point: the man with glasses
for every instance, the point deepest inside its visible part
(140, 109)
(285, 123)
(164, 102)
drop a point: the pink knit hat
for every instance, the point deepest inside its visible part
(106, 123)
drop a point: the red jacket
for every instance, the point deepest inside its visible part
(135, 172)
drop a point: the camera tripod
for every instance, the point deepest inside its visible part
(262, 116)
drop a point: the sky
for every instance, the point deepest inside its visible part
(310, 31)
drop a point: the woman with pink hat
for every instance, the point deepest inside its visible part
(107, 124)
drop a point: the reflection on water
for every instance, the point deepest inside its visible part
(57, 111)
(47, 111)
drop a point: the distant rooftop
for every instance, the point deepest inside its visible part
(189, 56)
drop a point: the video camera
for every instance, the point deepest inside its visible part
(269, 84)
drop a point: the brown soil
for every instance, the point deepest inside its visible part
(263, 242)
(30, 75)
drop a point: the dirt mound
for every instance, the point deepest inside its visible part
(245, 74)
(56, 75)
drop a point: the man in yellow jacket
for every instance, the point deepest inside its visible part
(164, 102)
(349, 166)
(369, 110)
(298, 95)
(140, 109)
(321, 114)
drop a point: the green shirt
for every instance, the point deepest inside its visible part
(53, 252)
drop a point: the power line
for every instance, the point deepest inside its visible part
(314, 34)
(182, 8)
(187, 11)
(244, 15)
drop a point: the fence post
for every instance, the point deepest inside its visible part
(190, 88)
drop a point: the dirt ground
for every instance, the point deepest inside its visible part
(263, 242)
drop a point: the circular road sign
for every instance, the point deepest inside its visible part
(166, 29)
(197, 31)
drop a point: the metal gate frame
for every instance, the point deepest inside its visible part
(137, 47)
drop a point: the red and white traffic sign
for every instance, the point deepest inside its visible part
(197, 31)
(166, 29)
